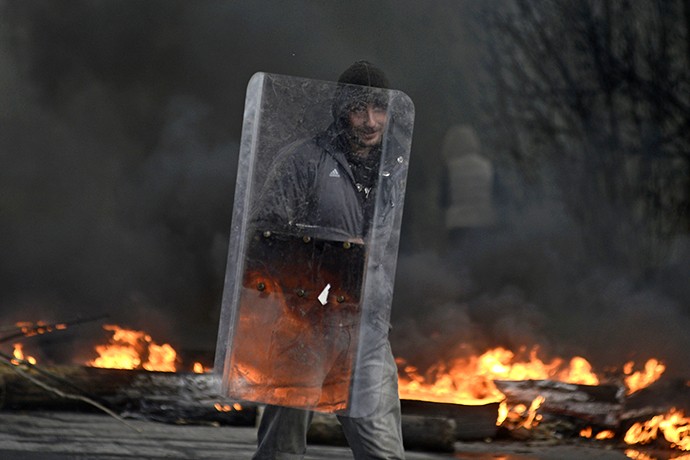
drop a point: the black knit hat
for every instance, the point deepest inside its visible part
(371, 83)
(364, 73)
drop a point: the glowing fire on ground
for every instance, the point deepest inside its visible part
(520, 415)
(130, 349)
(674, 426)
(19, 356)
(227, 407)
(470, 380)
(605, 434)
(636, 381)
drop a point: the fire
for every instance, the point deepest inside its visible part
(503, 413)
(18, 354)
(637, 455)
(605, 434)
(635, 381)
(519, 415)
(227, 407)
(130, 349)
(198, 368)
(470, 380)
(673, 425)
(579, 371)
(30, 329)
(532, 418)
(161, 358)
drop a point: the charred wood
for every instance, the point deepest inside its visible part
(422, 433)
(471, 422)
(599, 405)
(168, 397)
(658, 398)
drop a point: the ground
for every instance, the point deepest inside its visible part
(42, 435)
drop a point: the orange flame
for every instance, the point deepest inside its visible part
(198, 368)
(532, 419)
(18, 354)
(673, 425)
(161, 358)
(605, 434)
(637, 455)
(503, 413)
(580, 372)
(227, 407)
(470, 380)
(635, 381)
(30, 329)
(127, 349)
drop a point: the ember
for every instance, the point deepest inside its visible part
(29, 329)
(130, 349)
(605, 434)
(227, 407)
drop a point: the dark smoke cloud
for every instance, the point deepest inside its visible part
(119, 137)
(529, 283)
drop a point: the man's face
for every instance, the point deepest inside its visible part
(367, 124)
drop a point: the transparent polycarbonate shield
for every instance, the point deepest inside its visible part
(313, 245)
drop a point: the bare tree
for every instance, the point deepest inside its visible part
(591, 98)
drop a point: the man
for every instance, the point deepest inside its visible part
(326, 187)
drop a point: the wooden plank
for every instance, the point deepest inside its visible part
(421, 433)
(598, 405)
(472, 422)
(164, 396)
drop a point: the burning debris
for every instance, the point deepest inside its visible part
(131, 349)
(555, 399)
(674, 426)
(638, 380)
(132, 376)
(471, 380)
(491, 395)
(18, 354)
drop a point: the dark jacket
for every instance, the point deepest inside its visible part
(312, 191)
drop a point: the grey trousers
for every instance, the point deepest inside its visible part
(282, 432)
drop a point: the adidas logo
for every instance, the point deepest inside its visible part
(334, 173)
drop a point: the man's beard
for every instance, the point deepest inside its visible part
(358, 137)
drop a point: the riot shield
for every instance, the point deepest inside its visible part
(312, 253)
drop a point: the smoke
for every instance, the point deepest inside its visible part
(119, 137)
(528, 283)
(119, 142)
(91, 231)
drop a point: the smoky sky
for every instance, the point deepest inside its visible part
(119, 144)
